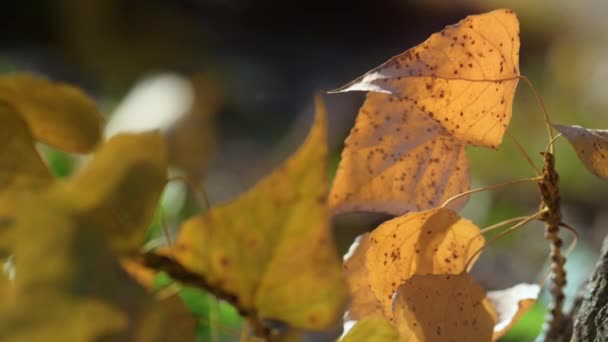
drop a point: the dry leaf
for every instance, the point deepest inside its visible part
(272, 248)
(591, 146)
(464, 77)
(439, 307)
(57, 113)
(363, 303)
(510, 304)
(436, 241)
(396, 159)
(373, 329)
(120, 187)
(20, 164)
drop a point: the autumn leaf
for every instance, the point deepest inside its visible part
(436, 241)
(591, 146)
(21, 166)
(408, 267)
(271, 249)
(463, 77)
(407, 149)
(58, 114)
(363, 302)
(396, 159)
(373, 329)
(510, 304)
(440, 307)
(80, 279)
(118, 190)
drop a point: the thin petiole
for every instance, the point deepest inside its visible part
(503, 233)
(543, 108)
(487, 188)
(200, 193)
(503, 223)
(524, 153)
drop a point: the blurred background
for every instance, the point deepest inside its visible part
(231, 83)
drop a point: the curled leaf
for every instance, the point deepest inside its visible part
(397, 159)
(439, 307)
(58, 114)
(373, 329)
(120, 187)
(464, 77)
(591, 146)
(273, 242)
(436, 241)
(21, 166)
(510, 304)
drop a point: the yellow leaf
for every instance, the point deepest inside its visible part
(118, 190)
(396, 159)
(20, 164)
(57, 113)
(436, 241)
(372, 330)
(510, 304)
(464, 77)
(272, 247)
(433, 308)
(363, 303)
(66, 270)
(591, 146)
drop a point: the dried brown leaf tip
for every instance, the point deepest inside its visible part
(407, 149)
(591, 146)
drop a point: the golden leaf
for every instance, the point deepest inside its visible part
(67, 268)
(439, 307)
(396, 159)
(57, 113)
(591, 146)
(373, 329)
(436, 241)
(463, 77)
(272, 248)
(20, 164)
(363, 302)
(119, 189)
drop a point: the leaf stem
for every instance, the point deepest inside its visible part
(524, 153)
(487, 188)
(503, 233)
(540, 101)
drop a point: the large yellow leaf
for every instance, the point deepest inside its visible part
(20, 164)
(396, 159)
(436, 241)
(464, 77)
(373, 329)
(433, 308)
(118, 190)
(57, 113)
(591, 146)
(272, 248)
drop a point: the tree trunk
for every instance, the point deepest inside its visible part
(588, 319)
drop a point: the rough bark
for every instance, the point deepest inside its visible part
(588, 319)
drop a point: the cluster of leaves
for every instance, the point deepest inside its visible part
(74, 246)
